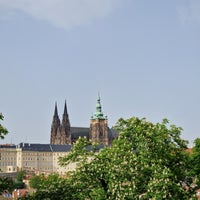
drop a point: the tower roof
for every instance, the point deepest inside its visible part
(65, 109)
(98, 114)
(65, 126)
(56, 110)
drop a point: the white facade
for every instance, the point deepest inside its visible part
(57, 168)
(8, 160)
(34, 161)
(16, 158)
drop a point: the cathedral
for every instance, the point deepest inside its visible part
(99, 132)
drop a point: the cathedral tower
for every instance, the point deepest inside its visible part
(60, 133)
(99, 126)
(65, 128)
(55, 126)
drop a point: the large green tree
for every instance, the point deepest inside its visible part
(147, 161)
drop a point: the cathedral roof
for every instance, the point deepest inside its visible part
(77, 132)
(81, 132)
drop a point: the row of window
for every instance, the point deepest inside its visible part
(36, 153)
(27, 165)
(30, 154)
(8, 158)
(8, 154)
(7, 163)
(37, 158)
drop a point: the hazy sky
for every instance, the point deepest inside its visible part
(142, 56)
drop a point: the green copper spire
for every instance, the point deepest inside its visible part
(98, 114)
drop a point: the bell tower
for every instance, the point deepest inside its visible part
(99, 126)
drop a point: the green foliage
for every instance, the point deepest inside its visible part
(18, 183)
(6, 184)
(79, 152)
(195, 162)
(52, 187)
(36, 181)
(3, 131)
(20, 176)
(147, 161)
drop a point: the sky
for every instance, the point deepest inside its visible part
(142, 57)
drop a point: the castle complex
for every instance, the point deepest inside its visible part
(43, 158)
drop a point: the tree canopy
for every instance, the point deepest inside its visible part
(52, 187)
(146, 161)
(6, 184)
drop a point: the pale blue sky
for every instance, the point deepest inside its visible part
(142, 56)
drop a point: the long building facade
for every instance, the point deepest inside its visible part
(34, 158)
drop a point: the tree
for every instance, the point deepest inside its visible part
(51, 187)
(147, 161)
(20, 176)
(19, 184)
(36, 181)
(195, 162)
(3, 131)
(6, 184)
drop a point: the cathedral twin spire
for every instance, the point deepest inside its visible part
(60, 132)
(98, 131)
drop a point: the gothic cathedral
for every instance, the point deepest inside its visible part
(63, 133)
